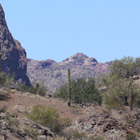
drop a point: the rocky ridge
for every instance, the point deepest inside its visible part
(53, 74)
(14, 56)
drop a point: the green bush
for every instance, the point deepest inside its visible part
(3, 108)
(44, 115)
(75, 110)
(31, 132)
(37, 89)
(13, 123)
(48, 116)
(82, 92)
(6, 79)
(75, 134)
(131, 136)
(96, 137)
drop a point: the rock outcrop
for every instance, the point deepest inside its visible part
(12, 128)
(14, 56)
(118, 125)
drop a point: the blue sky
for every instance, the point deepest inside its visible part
(57, 29)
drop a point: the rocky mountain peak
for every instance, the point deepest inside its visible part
(80, 59)
(14, 56)
(79, 56)
(2, 16)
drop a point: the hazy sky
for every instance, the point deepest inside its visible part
(57, 29)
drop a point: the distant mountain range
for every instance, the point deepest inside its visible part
(47, 72)
(53, 74)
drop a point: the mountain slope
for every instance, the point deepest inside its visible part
(53, 74)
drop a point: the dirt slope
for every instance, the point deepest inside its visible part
(91, 120)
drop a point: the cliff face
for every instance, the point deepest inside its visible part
(14, 56)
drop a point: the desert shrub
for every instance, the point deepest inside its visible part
(13, 122)
(38, 89)
(50, 117)
(30, 132)
(76, 110)
(131, 136)
(43, 114)
(82, 92)
(3, 108)
(96, 137)
(6, 79)
(75, 134)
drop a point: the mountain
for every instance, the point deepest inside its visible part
(80, 59)
(53, 74)
(14, 56)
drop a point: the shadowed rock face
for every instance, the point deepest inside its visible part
(14, 56)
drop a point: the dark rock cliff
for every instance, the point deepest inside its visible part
(14, 56)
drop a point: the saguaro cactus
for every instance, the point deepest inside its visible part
(69, 88)
(1, 55)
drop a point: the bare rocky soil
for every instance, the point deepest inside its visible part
(92, 121)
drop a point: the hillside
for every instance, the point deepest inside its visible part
(90, 121)
(54, 74)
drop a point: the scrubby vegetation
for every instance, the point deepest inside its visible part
(82, 92)
(120, 88)
(76, 135)
(38, 89)
(6, 79)
(131, 136)
(96, 137)
(50, 117)
(30, 132)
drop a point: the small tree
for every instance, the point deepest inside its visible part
(125, 68)
(122, 71)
